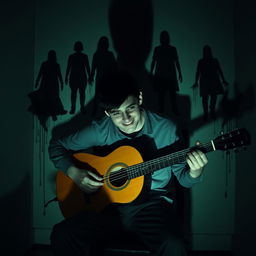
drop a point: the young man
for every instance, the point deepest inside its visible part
(152, 218)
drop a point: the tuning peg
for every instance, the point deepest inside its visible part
(236, 150)
(221, 133)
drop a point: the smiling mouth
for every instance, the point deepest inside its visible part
(127, 124)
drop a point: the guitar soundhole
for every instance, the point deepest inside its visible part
(119, 178)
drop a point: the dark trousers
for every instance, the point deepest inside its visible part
(154, 223)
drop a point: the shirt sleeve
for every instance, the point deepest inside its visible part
(181, 171)
(61, 150)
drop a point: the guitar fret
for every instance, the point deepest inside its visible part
(162, 162)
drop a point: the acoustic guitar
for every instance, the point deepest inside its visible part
(123, 172)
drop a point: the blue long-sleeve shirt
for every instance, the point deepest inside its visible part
(161, 131)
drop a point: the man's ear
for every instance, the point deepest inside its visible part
(106, 113)
(140, 98)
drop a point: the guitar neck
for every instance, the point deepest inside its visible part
(165, 161)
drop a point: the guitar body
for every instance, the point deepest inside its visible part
(123, 177)
(73, 200)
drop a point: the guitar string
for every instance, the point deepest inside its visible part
(134, 169)
(123, 172)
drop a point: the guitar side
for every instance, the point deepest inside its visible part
(73, 200)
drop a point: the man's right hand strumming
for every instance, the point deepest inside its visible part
(86, 180)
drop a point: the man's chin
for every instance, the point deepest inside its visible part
(128, 130)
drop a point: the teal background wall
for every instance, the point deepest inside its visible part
(31, 28)
(16, 129)
(191, 25)
(245, 204)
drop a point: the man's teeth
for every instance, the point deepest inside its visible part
(128, 123)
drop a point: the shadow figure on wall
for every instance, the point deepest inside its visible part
(77, 73)
(164, 67)
(46, 101)
(103, 63)
(132, 37)
(210, 80)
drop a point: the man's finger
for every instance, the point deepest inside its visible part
(94, 175)
(88, 182)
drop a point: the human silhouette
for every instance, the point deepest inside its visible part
(46, 100)
(164, 67)
(209, 77)
(103, 63)
(77, 73)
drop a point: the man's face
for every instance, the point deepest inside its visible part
(128, 117)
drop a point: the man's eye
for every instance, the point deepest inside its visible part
(131, 107)
(115, 113)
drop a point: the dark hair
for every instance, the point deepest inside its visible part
(115, 88)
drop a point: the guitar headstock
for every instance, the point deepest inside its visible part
(232, 140)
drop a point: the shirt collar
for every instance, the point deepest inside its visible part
(147, 128)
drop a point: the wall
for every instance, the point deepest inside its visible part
(191, 25)
(16, 68)
(245, 209)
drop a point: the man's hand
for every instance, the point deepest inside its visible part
(86, 180)
(196, 160)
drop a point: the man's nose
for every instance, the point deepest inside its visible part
(125, 116)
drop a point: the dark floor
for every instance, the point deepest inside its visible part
(44, 250)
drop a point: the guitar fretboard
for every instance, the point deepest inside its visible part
(164, 161)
